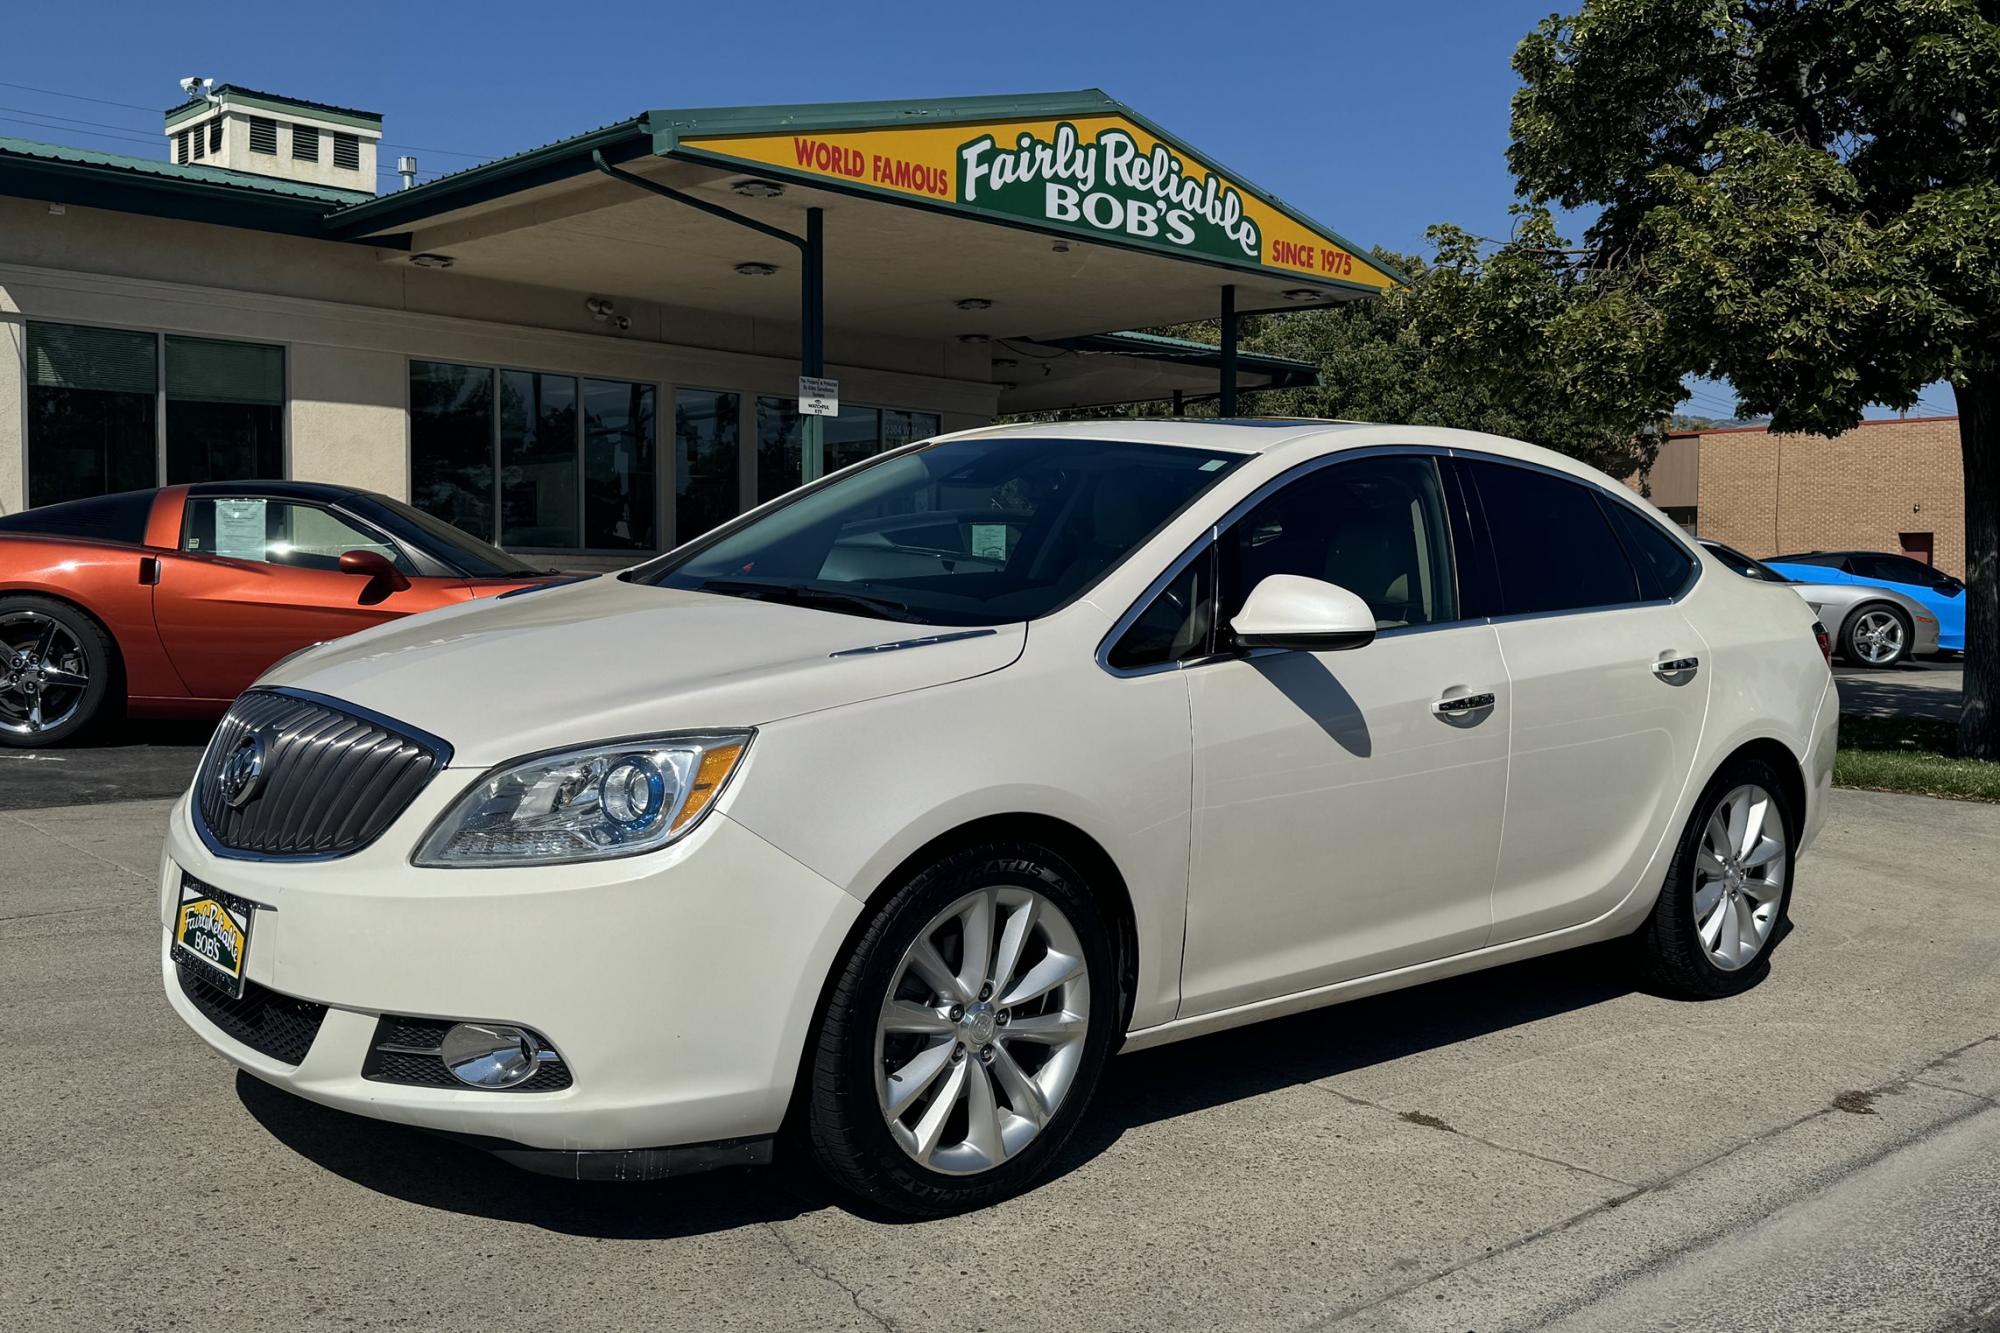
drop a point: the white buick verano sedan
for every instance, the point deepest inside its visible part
(886, 813)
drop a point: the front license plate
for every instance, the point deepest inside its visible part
(212, 934)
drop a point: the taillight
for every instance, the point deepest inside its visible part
(1825, 642)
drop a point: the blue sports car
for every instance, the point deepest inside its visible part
(1938, 592)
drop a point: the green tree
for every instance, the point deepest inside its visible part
(1512, 338)
(1799, 196)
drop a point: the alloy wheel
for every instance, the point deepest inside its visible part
(1739, 879)
(1878, 637)
(44, 673)
(982, 1033)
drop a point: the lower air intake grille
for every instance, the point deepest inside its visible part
(404, 1050)
(265, 1021)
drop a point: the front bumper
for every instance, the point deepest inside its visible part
(679, 986)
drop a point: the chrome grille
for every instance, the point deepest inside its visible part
(332, 776)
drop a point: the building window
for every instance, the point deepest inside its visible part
(215, 136)
(538, 492)
(225, 410)
(93, 412)
(346, 152)
(901, 428)
(305, 143)
(707, 427)
(451, 444)
(181, 147)
(532, 460)
(199, 138)
(620, 471)
(856, 434)
(263, 135)
(111, 410)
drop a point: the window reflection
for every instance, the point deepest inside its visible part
(706, 433)
(619, 473)
(451, 444)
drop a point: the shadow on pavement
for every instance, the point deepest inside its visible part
(1172, 1081)
(130, 761)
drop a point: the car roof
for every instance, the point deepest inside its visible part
(281, 490)
(1287, 437)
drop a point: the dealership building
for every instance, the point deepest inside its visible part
(602, 347)
(1883, 486)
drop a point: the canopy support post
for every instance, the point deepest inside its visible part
(812, 295)
(1228, 404)
(812, 341)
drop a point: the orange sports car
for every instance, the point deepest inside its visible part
(171, 601)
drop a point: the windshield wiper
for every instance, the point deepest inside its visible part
(806, 594)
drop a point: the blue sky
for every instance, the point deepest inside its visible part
(1377, 119)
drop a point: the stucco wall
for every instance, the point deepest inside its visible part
(13, 409)
(346, 419)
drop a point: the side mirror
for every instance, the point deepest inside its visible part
(375, 567)
(1292, 611)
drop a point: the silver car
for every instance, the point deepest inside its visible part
(1870, 626)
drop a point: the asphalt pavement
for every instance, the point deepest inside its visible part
(1538, 1146)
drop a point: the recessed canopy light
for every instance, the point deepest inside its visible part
(756, 189)
(429, 260)
(1302, 294)
(973, 303)
(1060, 247)
(756, 270)
(974, 338)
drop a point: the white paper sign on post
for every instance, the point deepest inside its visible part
(818, 397)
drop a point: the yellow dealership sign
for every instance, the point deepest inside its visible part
(1104, 176)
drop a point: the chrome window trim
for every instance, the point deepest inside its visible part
(922, 642)
(440, 749)
(1236, 512)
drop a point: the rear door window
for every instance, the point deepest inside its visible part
(1553, 548)
(1663, 565)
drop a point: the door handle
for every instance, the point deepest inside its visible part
(1459, 705)
(1675, 666)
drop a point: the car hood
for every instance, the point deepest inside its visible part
(506, 676)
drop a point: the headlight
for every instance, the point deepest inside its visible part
(585, 804)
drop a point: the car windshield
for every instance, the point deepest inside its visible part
(455, 546)
(1744, 565)
(976, 531)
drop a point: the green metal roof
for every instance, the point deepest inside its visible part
(235, 92)
(176, 172)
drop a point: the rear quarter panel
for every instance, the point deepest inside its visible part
(1768, 679)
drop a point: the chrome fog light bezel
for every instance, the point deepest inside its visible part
(492, 1057)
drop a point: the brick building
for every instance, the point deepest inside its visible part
(1883, 486)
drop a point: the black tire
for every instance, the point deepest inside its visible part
(1850, 648)
(1671, 953)
(844, 1126)
(99, 659)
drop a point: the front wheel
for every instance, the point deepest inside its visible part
(1717, 918)
(1877, 635)
(965, 1033)
(55, 669)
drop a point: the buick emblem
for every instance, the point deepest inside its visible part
(242, 774)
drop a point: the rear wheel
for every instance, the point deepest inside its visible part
(965, 1034)
(1717, 918)
(1876, 635)
(55, 671)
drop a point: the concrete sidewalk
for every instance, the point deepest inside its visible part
(1530, 1146)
